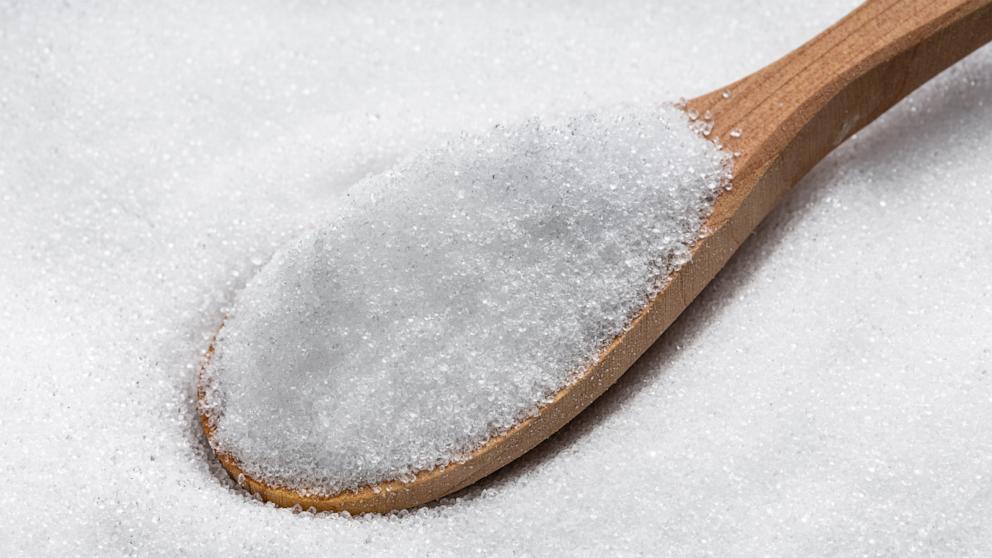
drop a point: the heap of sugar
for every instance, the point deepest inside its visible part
(451, 296)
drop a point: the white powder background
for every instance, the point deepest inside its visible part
(829, 394)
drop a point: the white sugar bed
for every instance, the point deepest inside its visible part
(829, 394)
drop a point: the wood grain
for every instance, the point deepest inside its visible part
(790, 115)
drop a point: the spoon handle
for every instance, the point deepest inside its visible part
(793, 112)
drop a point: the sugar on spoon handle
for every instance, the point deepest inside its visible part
(781, 120)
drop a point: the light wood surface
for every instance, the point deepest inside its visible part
(790, 115)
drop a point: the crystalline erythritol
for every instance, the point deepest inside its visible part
(450, 296)
(830, 394)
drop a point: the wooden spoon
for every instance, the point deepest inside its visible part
(781, 120)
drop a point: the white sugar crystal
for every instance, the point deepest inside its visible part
(449, 297)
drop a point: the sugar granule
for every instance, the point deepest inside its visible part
(451, 296)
